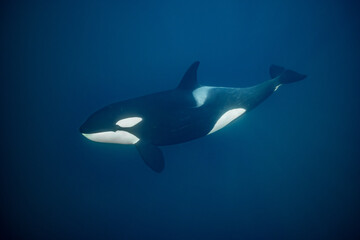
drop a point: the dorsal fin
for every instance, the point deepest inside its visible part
(189, 80)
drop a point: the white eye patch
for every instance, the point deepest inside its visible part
(128, 122)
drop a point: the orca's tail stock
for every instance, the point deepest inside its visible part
(285, 76)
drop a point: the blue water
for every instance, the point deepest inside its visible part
(287, 170)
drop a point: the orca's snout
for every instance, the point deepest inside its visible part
(82, 129)
(87, 127)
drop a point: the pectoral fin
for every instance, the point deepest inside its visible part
(152, 156)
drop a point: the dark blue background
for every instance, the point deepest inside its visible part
(287, 170)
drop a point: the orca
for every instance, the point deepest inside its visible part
(187, 112)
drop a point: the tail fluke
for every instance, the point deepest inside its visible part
(285, 76)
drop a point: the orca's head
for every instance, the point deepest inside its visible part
(110, 126)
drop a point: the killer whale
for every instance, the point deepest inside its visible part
(187, 112)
